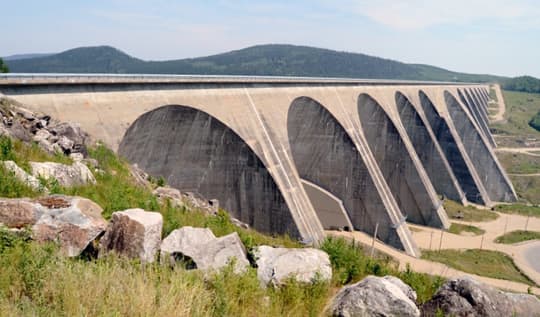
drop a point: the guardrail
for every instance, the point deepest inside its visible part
(44, 78)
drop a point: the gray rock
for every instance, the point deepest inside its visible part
(22, 176)
(406, 289)
(205, 250)
(186, 241)
(65, 143)
(276, 265)
(25, 113)
(218, 253)
(134, 233)
(77, 157)
(67, 175)
(210, 207)
(18, 131)
(73, 222)
(465, 296)
(239, 223)
(41, 135)
(172, 194)
(140, 176)
(70, 130)
(375, 296)
(92, 163)
(49, 147)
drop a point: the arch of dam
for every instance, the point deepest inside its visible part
(293, 155)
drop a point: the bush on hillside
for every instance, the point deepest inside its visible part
(535, 121)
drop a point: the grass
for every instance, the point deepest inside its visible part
(527, 187)
(457, 228)
(23, 153)
(520, 108)
(519, 209)
(36, 281)
(518, 236)
(515, 131)
(468, 213)
(518, 163)
(351, 264)
(11, 187)
(481, 262)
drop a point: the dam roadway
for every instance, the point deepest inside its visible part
(292, 155)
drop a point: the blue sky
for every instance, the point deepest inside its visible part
(478, 36)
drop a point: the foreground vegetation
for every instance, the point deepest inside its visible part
(481, 262)
(37, 281)
(518, 236)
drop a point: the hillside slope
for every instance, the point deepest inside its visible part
(270, 60)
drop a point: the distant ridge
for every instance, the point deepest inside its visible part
(25, 56)
(269, 60)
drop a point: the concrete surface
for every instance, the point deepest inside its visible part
(250, 141)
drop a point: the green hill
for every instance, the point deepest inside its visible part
(523, 83)
(270, 60)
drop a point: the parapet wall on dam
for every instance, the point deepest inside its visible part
(371, 155)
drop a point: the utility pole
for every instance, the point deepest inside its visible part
(374, 237)
(440, 242)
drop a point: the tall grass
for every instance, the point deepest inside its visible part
(23, 153)
(37, 281)
(351, 264)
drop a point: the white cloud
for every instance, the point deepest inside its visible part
(420, 14)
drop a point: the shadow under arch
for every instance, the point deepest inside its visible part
(451, 150)
(478, 103)
(475, 111)
(497, 186)
(428, 150)
(325, 155)
(196, 152)
(482, 103)
(394, 160)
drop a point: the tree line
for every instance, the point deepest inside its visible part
(3, 66)
(524, 83)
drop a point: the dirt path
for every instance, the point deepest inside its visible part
(429, 238)
(521, 150)
(499, 116)
(526, 175)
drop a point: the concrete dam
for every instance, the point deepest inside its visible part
(293, 155)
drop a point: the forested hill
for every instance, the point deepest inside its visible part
(269, 60)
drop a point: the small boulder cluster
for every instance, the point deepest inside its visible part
(462, 296)
(76, 174)
(50, 135)
(77, 225)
